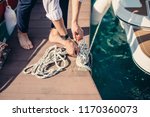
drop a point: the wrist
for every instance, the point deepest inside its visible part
(65, 37)
(74, 22)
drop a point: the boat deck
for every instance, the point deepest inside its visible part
(67, 85)
(143, 38)
(133, 15)
(141, 11)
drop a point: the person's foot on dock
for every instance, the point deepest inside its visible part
(24, 40)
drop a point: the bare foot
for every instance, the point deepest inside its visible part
(71, 46)
(24, 40)
(53, 34)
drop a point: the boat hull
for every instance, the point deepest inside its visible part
(131, 22)
(132, 18)
(139, 57)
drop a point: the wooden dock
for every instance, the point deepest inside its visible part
(71, 84)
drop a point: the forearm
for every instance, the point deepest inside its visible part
(76, 4)
(59, 25)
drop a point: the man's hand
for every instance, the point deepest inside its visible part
(71, 48)
(77, 32)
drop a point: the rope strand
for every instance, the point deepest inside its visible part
(41, 69)
(94, 37)
(83, 56)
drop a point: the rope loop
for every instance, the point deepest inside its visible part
(42, 69)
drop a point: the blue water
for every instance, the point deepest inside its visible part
(113, 70)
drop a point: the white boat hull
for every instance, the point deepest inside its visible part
(129, 17)
(139, 57)
(128, 21)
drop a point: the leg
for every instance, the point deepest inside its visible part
(23, 16)
(54, 13)
(64, 6)
(55, 36)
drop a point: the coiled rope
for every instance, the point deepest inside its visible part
(56, 55)
(42, 69)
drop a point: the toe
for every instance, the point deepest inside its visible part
(30, 44)
(24, 41)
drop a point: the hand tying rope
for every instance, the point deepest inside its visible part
(82, 59)
(83, 56)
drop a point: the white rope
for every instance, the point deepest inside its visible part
(41, 69)
(82, 59)
(83, 56)
(94, 37)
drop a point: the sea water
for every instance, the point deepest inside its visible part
(113, 70)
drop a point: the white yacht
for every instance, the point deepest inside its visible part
(134, 17)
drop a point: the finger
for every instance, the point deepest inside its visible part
(74, 35)
(78, 37)
(77, 50)
(75, 54)
(81, 33)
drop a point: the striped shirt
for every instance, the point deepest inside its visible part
(53, 10)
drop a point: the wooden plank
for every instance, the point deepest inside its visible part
(48, 97)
